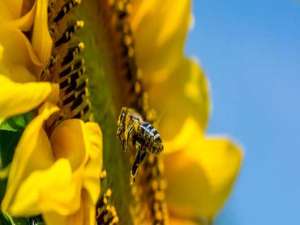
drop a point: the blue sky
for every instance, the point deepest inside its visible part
(250, 51)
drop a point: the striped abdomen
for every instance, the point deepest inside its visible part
(150, 138)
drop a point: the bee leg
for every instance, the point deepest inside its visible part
(139, 158)
(129, 137)
(124, 145)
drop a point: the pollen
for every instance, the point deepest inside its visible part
(67, 67)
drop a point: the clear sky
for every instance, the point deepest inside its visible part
(250, 51)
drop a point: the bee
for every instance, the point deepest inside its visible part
(134, 132)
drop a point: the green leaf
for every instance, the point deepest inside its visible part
(16, 123)
(3, 184)
(6, 219)
(8, 142)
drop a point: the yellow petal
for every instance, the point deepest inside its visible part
(41, 39)
(85, 215)
(68, 141)
(187, 133)
(47, 190)
(183, 95)
(1, 52)
(81, 143)
(10, 9)
(17, 14)
(5, 14)
(160, 42)
(10, 40)
(33, 152)
(201, 176)
(94, 165)
(23, 23)
(19, 98)
(180, 221)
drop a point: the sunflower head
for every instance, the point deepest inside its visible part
(100, 77)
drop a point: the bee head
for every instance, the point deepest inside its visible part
(158, 146)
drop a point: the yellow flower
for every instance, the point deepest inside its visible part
(200, 170)
(19, 63)
(21, 15)
(176, 221)
(31, 56)
(18, 98)
(57, 176)
(200, 177)
(159, 41)
(53, 173)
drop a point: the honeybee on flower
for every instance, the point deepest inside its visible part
(72, 65)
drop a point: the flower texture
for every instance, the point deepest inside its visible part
(200, 170)
(53, 172)
(19, 63)
(58, 160)
(57, 176)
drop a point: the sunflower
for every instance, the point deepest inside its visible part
(63, 161)
(77, 64)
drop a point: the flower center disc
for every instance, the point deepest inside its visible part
(84, 64)
(97, 74)
(104, 89)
